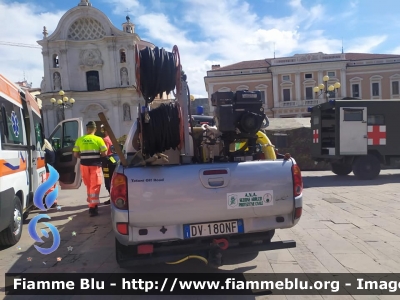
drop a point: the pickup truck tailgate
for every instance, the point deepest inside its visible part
(209, 192)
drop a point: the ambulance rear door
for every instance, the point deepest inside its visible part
(38, 168)
(63, 139)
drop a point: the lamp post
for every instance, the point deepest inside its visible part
(63, 103)
(323, 88)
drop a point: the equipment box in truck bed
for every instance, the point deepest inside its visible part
(161, 213)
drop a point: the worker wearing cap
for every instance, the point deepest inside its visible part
(90, 149)
(109, 162)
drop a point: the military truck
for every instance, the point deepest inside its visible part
(356, 136)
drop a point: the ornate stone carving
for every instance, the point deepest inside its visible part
(91, 58)
(43, 85)
(45, 33)
(63, 51)
(85, 29)
(91, 112)
(115, 102)
(124, 77)
(57, 81)
(127, 112)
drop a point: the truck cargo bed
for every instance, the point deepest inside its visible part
(161, 195)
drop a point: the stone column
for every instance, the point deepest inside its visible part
(298, 86)
(134, 109)
(45, 110)
(130, 61)
(275, 91)
(118, 118)
(48, 76)
(343, 83)
(64, 70)
(113, 68)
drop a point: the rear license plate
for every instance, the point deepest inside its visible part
(211, 229)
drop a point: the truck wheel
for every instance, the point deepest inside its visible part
(270, 234)
(341, 169)
(12, 234)
(367, 167)
(120, 253)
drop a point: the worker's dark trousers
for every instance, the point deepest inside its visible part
(108, 171)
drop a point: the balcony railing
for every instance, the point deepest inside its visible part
(298, 103)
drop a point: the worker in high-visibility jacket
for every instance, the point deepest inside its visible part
(90, 149)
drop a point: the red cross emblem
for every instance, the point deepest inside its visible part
(377, 135)
(315, 136)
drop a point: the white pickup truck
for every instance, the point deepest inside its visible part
(166, 213)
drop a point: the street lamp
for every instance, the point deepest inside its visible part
(323, 88)
(63, 103)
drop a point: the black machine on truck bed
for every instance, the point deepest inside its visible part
(356, 135)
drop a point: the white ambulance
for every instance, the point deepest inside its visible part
(22, 164)
(22, 160)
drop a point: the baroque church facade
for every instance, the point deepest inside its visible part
(93, 62)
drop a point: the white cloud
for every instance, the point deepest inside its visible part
(122, 7)
(229, 33)
(394, 51)
(366, 44)
(23, 23)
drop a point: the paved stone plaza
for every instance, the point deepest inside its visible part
(347, 226)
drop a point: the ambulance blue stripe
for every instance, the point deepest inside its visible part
(10, 166)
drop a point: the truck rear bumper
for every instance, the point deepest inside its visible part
(179, 250)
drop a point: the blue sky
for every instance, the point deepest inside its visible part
(213, 31)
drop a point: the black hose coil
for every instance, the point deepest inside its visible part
(157, 73)
(162, 132)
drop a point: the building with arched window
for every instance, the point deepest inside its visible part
(93, 62)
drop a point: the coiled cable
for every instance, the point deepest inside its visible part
(156, 72)
(162, 132)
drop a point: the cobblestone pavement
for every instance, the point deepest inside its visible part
(347, 226)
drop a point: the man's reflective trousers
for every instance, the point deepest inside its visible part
(92, 177)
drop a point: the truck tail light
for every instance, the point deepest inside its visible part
(297, 213)
(123, 228)
(297, 181)
(119, 191)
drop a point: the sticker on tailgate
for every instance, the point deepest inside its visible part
(250, 199)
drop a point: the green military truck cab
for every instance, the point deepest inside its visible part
(356, 136)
